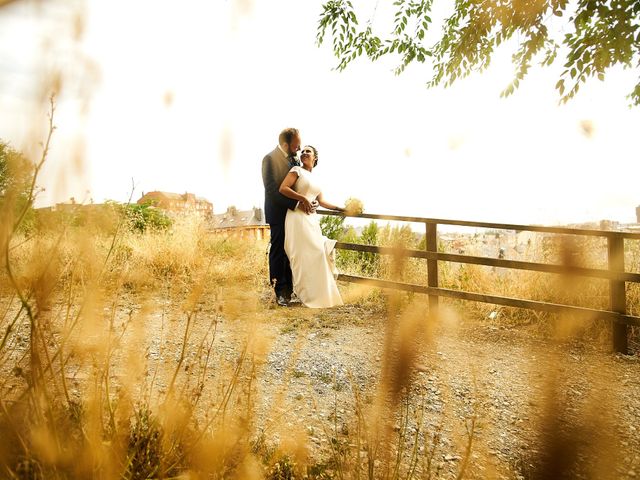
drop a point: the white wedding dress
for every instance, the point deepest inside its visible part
(310, 253)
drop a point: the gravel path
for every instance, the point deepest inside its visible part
(527, 401)
(533, 400)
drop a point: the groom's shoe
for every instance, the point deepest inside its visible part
(281, 301)
(294, 300)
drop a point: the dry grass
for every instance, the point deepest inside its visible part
(110, 367)
(98, 391)
(587, 252)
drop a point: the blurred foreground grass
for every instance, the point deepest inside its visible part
(114, 363)
(112, 367)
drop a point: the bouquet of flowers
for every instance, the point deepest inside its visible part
(353, 206)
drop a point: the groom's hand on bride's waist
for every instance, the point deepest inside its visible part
(306, 206)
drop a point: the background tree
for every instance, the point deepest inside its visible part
(332, 226)
(16, 173)
(370, 261)
(589, 36)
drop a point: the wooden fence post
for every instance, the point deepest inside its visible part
(432, 265)
(617, 292)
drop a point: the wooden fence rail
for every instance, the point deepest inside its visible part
(615, 272)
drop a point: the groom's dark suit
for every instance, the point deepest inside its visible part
(275, 167)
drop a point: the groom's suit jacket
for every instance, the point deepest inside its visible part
(275, 167)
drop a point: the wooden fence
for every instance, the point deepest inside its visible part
(615, 272)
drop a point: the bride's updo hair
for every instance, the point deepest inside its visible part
(315, 154)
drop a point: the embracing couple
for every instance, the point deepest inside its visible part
(301, 259)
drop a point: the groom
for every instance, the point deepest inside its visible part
(275, 167)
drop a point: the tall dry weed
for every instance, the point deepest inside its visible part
(112, 365)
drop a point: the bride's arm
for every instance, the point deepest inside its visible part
(286, 189)
(327, 205)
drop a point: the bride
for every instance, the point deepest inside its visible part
(310, 253)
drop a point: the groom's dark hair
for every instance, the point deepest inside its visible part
(287, 135)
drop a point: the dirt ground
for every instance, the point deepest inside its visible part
(532, 397)
(520, 396)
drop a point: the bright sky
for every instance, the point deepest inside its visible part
(190, 96)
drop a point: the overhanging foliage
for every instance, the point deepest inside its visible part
(598, 35)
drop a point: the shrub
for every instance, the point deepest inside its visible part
(332, 226)
(141, 218)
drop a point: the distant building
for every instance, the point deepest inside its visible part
(70, 206)
(77, 214)
(178, 203)
(244, 224)
(638, 214)
(73, 207)
(609, 225)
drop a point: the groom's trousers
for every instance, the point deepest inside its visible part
(279, 268)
